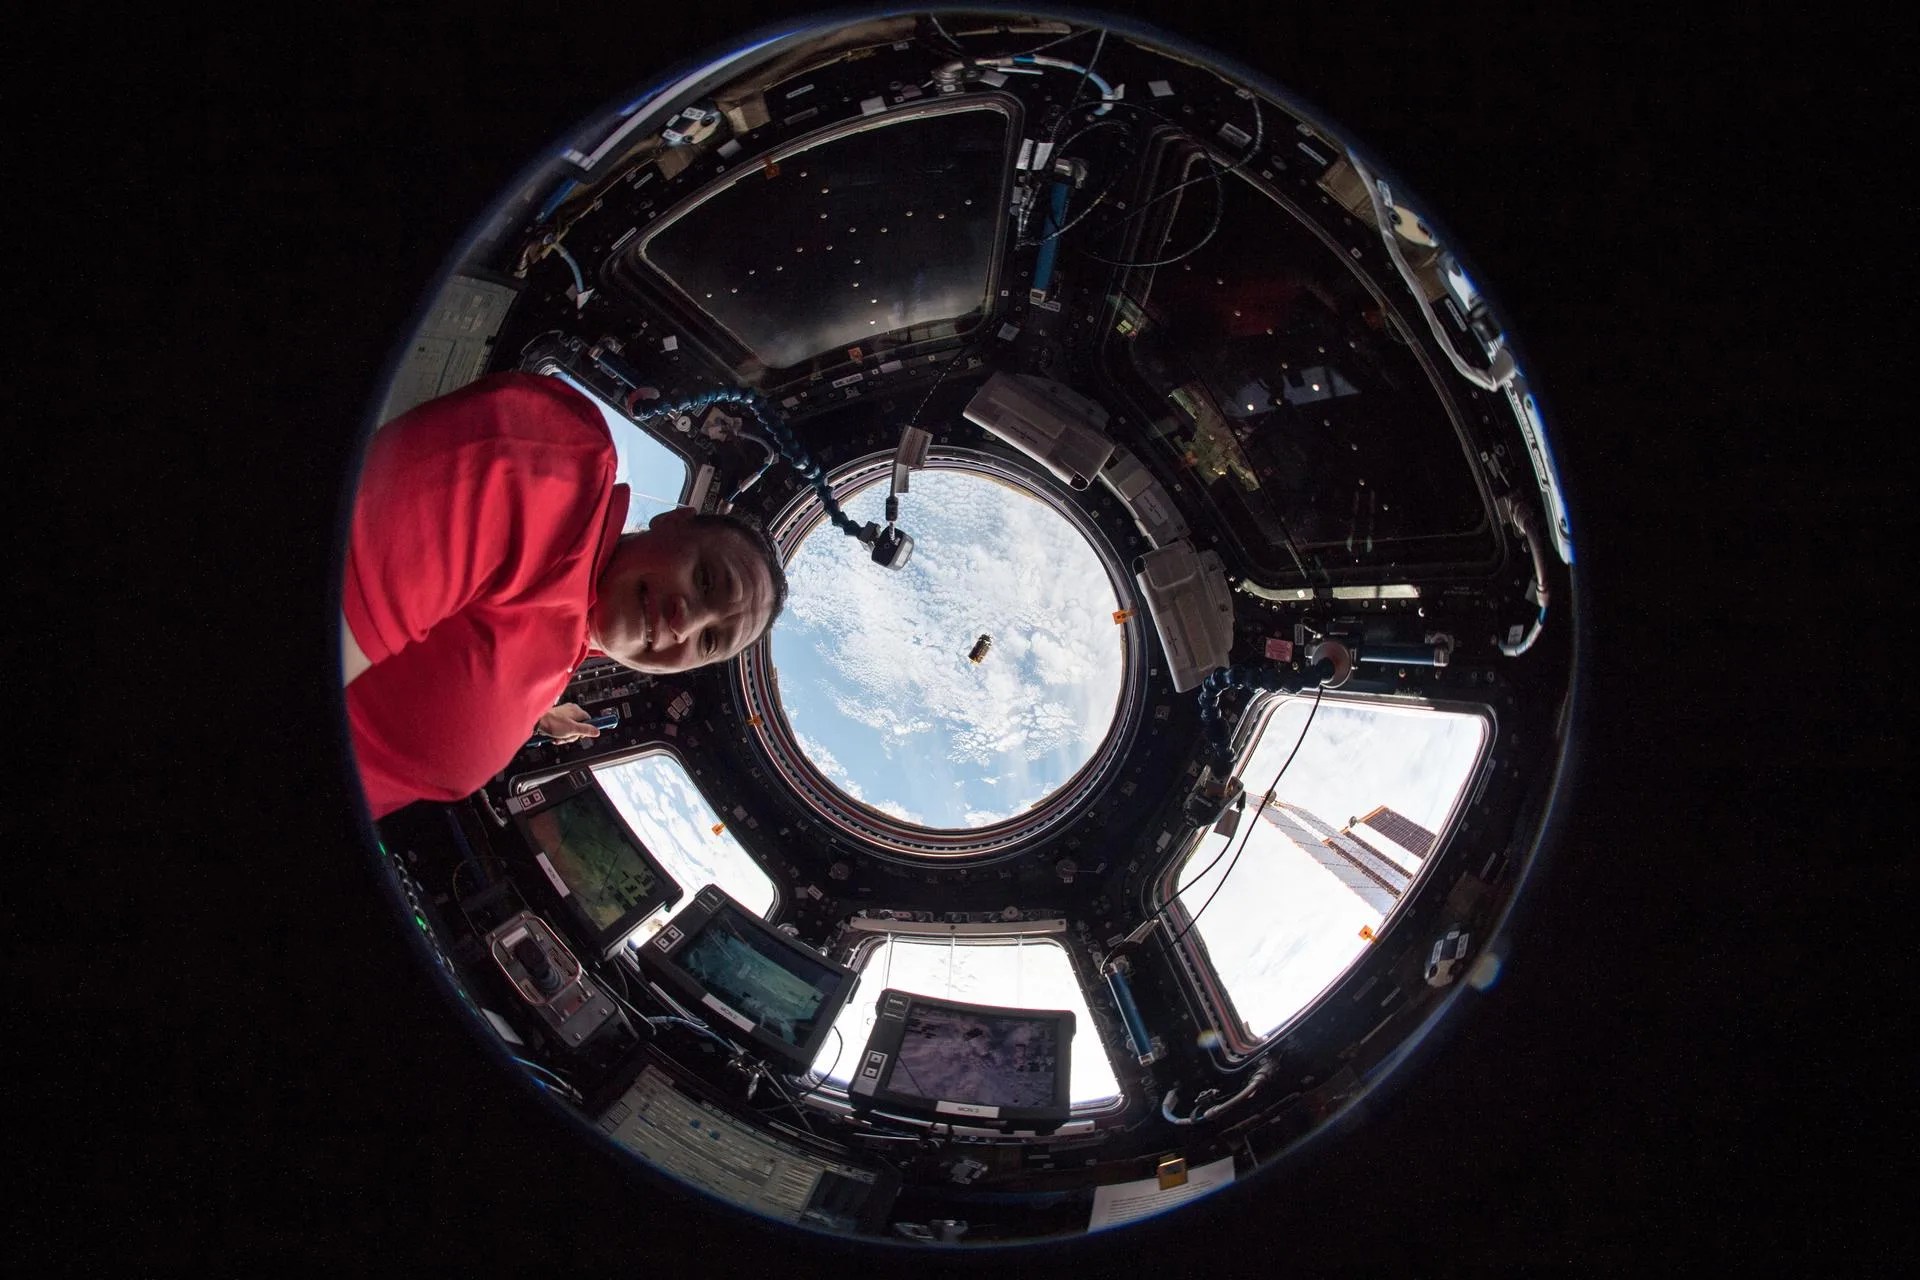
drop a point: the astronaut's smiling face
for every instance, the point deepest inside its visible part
(680, 594)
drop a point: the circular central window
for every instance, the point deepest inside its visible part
(967, 689)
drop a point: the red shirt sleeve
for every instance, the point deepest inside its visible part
(471, 495)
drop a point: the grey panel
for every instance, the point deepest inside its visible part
(881, 225)
(450, 348)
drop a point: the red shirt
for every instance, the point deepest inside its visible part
(481, 526)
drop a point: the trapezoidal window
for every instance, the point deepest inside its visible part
(1278, 912)
(1017, 972)
(655, 475)
(660, 802)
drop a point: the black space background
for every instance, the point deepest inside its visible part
(1691, 1052)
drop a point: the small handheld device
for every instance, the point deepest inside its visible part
(602, 720)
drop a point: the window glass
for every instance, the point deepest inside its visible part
(656, 474)
(1351, 827)
(968, 687)
(1016, 973)
(658, 799)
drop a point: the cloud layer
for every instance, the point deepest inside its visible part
(873, 664)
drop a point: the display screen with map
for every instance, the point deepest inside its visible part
(610, 882)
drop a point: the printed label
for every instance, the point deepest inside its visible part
(744, 1024)
(559, 885)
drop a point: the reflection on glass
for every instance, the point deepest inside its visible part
(656, 474)
(1352, 823)
(660, 802)
(1017, 973)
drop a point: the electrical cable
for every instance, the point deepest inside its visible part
(1059, 40)
(841, 1043)
(1521, 517)
(1019, 62)
(1053, 134)
(1215, 174)
(1264, 801)
(1119, 172)
(579, 283)
(782, 435)
(1086, 74)
(1164, 907)
(559, 1079)
(774, 1080)
(934, 18)
(459, 899)
(1253, 149)
(947, 368)
(621, 996)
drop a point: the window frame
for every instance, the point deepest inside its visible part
(693, 483)
(875, 831)
(1199, 976)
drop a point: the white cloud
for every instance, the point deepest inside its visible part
(987, 560)
(674, 821)
(829, 764)
(899, 811)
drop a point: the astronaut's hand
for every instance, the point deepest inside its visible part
(567, 722)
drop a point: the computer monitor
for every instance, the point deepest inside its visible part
(948, 1060)
(606, 879)
(774, 992)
